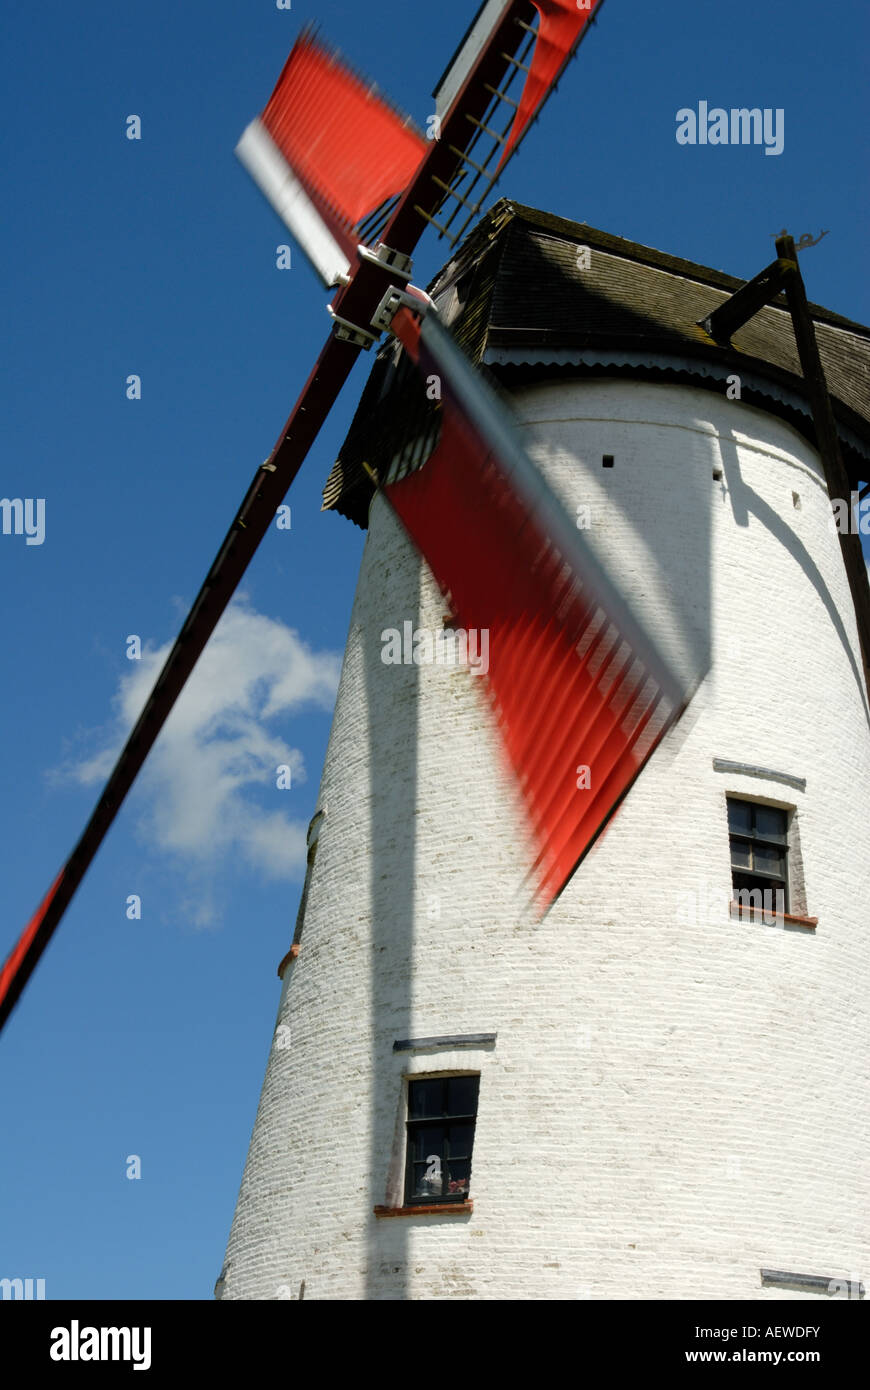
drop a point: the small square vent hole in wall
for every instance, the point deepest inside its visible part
(607, 461)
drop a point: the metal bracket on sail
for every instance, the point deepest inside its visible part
(350, 332)
(395, 299)
(397, 262)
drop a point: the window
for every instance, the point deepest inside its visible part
(442, 1111)
(312, 840)
(313, 834)
(759, 850)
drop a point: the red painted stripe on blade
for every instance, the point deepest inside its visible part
(560, 26)
(26, 945)
(346, 145)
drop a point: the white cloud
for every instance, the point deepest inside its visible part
(213, 770)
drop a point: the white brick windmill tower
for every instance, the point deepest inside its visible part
(650, 1092)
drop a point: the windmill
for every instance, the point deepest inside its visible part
(358, 186)
(462, 1100)
(575, 674)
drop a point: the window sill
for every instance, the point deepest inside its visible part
(771, 917)
(429, 1209)
(291, 955)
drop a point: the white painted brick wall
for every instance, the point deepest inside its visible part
(675, 1100)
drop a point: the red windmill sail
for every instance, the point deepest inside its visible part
(560, 28)
(327, 150)
(575, 680)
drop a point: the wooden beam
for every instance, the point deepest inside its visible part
(724, 322)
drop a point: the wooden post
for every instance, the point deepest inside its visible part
(828, 443)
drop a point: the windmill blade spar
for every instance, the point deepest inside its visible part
(257, 511)
(328, 150)
(494, 88)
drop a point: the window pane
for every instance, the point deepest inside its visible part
(740, 857)
(428, 1176)
(770, 822)
(458, 1176)
(424, 1140)
(462, 1095)
(760, 893)
(425, 1099)
(740, 816)
(768, 860)
(460, 1139)
(746, 883)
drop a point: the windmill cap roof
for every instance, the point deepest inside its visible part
(523, 299)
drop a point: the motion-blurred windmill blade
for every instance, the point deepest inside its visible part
(342, 168)
(326, 151)
(575, 680)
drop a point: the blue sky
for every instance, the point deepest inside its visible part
(157, 257)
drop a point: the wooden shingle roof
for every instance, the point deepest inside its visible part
(523, 300)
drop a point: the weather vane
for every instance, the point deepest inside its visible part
(805, 241)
